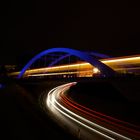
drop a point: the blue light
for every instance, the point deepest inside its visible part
(1, 86)
(93, 61)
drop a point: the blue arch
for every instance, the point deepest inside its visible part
(67, 55)
(107, 71)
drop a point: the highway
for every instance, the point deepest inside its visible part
(84, 122)
(21, 116)
(110, 119)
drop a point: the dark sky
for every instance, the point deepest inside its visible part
(28, 27)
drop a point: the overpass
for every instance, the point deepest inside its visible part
(90, 64)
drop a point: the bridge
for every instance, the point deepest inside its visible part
(99, 101)
(52, 62)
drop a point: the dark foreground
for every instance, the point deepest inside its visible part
(21, 117)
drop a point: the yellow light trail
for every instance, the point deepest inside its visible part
(129, 59)
(114, 63)
(58, 73)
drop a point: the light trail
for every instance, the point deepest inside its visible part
(118, 64)
(137, 58)
(59, 73)
(54, 104)
(98, 115)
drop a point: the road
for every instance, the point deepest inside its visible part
(21, 116)
(84, 122)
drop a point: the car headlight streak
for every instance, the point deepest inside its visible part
(52, 102)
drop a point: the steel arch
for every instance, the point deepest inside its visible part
(105, 70)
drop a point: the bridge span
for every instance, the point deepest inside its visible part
(123, 65)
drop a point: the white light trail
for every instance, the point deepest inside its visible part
(51, 99)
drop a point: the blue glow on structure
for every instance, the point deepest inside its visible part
(105, 70)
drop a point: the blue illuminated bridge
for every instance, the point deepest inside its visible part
(99, 108)
(90, 57)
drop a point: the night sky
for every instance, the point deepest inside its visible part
(28, 27)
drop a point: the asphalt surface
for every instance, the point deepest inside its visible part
(104, 97)
(21, 116)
